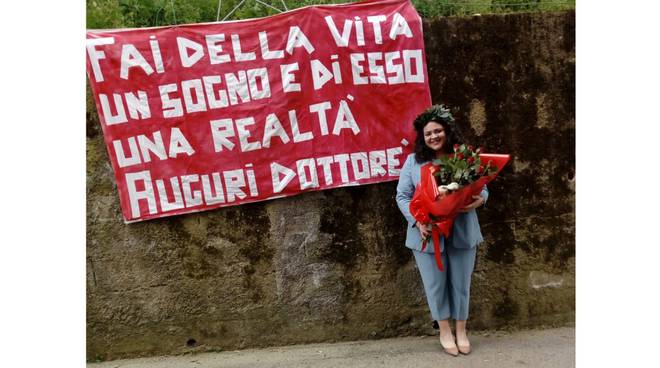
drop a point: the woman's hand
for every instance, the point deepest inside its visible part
(478, 201)
(424, 230)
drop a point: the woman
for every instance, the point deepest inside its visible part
(448, 292)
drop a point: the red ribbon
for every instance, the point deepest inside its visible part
(439, 227)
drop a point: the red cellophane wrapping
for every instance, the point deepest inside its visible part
(427, 208)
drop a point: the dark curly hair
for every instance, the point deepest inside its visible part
(441, 115)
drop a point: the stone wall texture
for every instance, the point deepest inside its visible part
(331, 265)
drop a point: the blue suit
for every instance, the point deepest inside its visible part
(447, 293)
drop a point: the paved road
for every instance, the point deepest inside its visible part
(534, 348)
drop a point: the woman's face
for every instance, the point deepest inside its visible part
(434, 136)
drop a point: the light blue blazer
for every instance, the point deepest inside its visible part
(465, 233)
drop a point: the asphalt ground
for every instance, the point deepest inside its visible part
(532, 348)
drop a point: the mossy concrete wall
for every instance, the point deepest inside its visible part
(331, 265)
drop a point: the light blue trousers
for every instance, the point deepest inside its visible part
(448, 292)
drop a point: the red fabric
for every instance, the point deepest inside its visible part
(383, 108)
(427, 208)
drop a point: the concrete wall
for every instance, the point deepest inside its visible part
(331, 265)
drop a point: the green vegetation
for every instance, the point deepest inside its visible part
(438, 8)
(149, 13)
(97, 358)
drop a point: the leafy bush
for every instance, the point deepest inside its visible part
(102, 14)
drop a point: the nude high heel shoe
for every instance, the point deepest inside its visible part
(451, 350)
(464, 349)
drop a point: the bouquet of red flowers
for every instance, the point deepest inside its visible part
(447, 185)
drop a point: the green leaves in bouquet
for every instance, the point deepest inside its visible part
(489, 169)
(463, 166)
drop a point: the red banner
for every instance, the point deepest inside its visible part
(202, 116)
